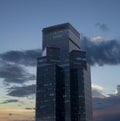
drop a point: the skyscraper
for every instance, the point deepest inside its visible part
(63, 90)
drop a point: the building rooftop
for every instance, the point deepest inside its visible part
(61, 27)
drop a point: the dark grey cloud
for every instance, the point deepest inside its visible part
(102, 26)
(10, 101)
(104, 52)
(106, 109)
(10, 114)
(11, 69)
(107, 117)
(22, 91)
(97, 93)
(30, 108)
(14, 73)
(27, 58)
(103, 103)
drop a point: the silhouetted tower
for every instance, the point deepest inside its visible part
(63, 90)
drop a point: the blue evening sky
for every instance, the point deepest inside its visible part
(21, 23)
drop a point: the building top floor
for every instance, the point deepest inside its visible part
(61, 27)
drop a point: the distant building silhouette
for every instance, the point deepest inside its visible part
(63, 90)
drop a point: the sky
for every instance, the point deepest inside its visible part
(21, 24)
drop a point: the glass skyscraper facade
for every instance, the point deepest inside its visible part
(63, 91)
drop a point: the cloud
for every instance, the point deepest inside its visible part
(27, 58)
(104, 103)
(106, 109)
(10, 101)
(14, 73)
(11, 65)
(97, 91)
(97, 87)
(30, 108)
(104, 52)
(102, 27)
(117, 91)
(99, 52)
(22, 91)
(97, 38)
(10, 114)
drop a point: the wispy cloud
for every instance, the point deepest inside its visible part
(102, 26)
(14, 73)
(21, 91)
(10, 114)
(10, 101)
(97, 91)
(97, 38)
(99, 52)
(30, 108)
(104, 52)
(27, 58)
